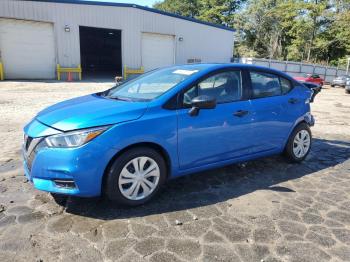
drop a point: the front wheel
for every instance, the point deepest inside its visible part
(135, 177)
(299, 143)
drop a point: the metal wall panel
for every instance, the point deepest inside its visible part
(203, 42)
(27, 49)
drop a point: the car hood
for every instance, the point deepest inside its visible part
(89, 111)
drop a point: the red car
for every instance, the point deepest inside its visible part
(311, 78)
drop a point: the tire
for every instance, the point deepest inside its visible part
(294, 144)
(347, 91)
(127, 171)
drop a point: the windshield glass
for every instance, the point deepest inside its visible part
(150, 85)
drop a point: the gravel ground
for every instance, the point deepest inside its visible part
(265, 210)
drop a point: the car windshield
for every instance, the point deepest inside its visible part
(150, 85)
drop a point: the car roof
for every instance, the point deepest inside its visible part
(223, 66)
(218, 66)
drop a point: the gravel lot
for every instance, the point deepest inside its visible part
(265, 210)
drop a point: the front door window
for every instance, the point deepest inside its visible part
(224, 86)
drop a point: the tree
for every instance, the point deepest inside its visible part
(266, 26)
(214, 11)
(311, 30)
(189, 8)
(316, 10)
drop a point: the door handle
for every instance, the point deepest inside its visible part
(293, 100)
(240, 113)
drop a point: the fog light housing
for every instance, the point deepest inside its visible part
(69, 184)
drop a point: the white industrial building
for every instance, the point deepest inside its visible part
(35, 36)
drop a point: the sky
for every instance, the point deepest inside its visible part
(148, 3)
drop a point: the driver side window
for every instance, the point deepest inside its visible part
(224, 87)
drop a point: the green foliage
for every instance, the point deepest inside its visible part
(187, 8)
(311, 30)
(215, 11)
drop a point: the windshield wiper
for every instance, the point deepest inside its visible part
(119, 98)
(128, 99)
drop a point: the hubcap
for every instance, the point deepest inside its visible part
(139, 178)
(301, 143)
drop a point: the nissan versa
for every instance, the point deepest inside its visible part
(127, 141)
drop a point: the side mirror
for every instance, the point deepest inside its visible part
(201, 102)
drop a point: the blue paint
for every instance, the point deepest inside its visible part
(213, 138)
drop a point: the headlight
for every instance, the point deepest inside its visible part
(74, 138)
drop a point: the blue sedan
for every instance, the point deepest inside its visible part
(126, 142)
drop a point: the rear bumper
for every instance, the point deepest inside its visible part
(309, 119)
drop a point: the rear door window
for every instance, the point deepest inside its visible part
(286, 85)
(265, 84)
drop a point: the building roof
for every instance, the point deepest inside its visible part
(145, 8)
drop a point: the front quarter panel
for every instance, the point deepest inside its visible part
(157, 125)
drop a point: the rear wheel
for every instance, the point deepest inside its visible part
(136, 176)
(299, 143)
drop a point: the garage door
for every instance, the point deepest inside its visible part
(157, 50)
(27, 49)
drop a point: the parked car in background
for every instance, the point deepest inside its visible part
(125, 142)
(315, 89)
(340, 81)
(347, 87)
(311, 78)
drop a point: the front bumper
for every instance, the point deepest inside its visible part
(81, 168)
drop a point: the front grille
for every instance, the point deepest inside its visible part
(30, 145)
(30, 160)
(27, 141)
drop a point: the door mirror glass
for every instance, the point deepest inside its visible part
(204, 102)
(201, 102)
